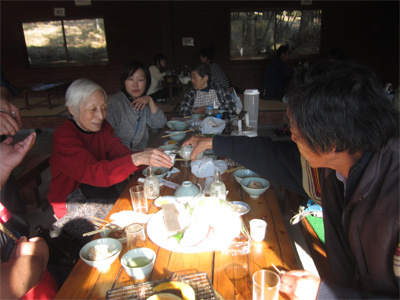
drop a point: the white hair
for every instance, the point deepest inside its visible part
(79, 91)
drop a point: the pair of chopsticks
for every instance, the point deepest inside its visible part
(99, 222)
(176, 133)
(234, 169)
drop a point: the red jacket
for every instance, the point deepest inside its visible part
(94, 158)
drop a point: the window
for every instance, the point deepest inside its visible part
(66, 42)
(258, 34)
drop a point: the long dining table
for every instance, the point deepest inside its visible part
(230, 275)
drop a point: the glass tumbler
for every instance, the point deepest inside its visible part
(135, 237)
(139, 199)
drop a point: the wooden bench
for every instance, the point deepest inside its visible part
(28, 176)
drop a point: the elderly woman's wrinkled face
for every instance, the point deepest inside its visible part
(198, 82)
(136, 84)
(92, 112)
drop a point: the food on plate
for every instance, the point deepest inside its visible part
(158, 172)
(238, 208)
(196, 233)
(255, 185)
(186, 290)
(164, 296)
(171, 217)
(99, 252)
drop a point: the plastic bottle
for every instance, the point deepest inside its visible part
(151, 185)
(209, 111)
(217, 188)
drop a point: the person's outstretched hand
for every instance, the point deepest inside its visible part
(300, 284)
(200, 144)
(152, 157)
(12, 154)
(10, 119)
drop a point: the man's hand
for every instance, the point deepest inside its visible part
(10, 119)
(11, 155)
(300, 284)
(200, 144)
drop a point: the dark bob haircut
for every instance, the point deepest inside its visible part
(340, 105)
(129, 68)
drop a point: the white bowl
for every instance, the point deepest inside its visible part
(164, 171)
(170, 124)
(180, 125)
(169, 147)
(178, 135)
(254, 193)
(139, 262)
(244, 173)
(111, 245)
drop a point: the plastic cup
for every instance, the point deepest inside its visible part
(258, 229)
(266, 285)
(139, 199)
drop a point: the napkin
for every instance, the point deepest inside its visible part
(127, 217)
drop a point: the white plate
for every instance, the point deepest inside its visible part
(164, 200)
(219, 236)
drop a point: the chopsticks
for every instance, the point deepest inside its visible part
(99, 222)
(234, 169)
(279, 271)
(95, 231)
(164, 136)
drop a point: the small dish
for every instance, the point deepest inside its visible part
(239, 207)
(158, 172)
(138, 263)
(255, 192)
(164, 200)
(244, 173)
(109, 234)
(178, 135)
(111, 246)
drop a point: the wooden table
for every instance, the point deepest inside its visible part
(230, 275)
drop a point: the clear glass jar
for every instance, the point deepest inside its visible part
(151, 185)
(217, 188)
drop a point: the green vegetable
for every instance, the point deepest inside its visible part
(178, 236)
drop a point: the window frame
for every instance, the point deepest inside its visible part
(259, 58)
(67, 63)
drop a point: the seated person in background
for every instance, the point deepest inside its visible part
(345, 155)
(157, 72)
(277, 75)
(204, 93)
(89, 165)
(24, 273)
(207, 55)
(131, 112)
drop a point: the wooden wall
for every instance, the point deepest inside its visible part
(367, 31)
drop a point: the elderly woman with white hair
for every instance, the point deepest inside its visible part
(89, 165)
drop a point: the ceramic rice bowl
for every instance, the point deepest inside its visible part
(170, 124)
(178, 137)
(113, 246)
(244, 173)
(180, 125)
(138, 263)
(254, 193)
(156, 170)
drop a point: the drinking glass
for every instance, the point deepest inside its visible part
(172, 155)
(135, 236)
(139, 199)
(266, 285)
(185, 152)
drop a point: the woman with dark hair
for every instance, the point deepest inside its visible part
(344, 154)
(207, 55)
(130, 111)
(205, 92)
